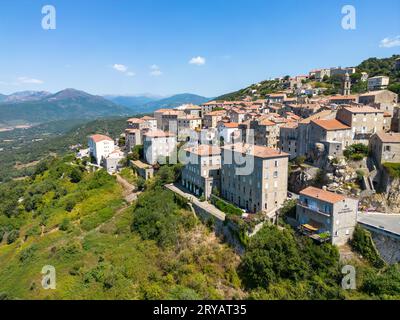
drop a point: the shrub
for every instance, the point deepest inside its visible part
(356, 152)
(362, 243)
(12, 236)
(393, 169)
(226, 207)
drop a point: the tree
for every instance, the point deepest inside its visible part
(272, 254)
(75, 175)
(137, 152)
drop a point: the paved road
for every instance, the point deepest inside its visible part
(384, 222)
(204, 205)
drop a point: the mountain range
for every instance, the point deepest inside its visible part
(41, 107)
(141, 104)
(36, 107)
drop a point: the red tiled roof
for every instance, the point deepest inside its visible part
(389, 137)
(363, 109)
(330, 125)
(231, 125)
(99, 137)
(256, 151)
(322, 195)
(135, 120)
(205, 150)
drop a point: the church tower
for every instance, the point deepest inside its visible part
(346, 88)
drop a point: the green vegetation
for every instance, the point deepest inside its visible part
(362, 243)
(263, 88)
(23, 151)
(382, 67)
(103, 249)
(225, 207)
(279, 265)
(356, 152)
(158, 217)
(393, 169)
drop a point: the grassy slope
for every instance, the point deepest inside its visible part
(97, 256)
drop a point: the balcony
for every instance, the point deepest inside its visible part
(313, 208)
(314, 231)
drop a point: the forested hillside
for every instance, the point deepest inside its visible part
(155, 248)
(20, 146)
(103, 248)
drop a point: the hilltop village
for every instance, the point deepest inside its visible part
(335, 159)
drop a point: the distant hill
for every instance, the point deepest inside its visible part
(63, 105)
(373, 66)
(174, 101)
(24, 96)
(132, 101)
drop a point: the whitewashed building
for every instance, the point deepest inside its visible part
(100, 147)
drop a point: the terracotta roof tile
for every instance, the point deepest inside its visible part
(256, 151)
(331, 124)
(204, 150)
(322, 195)
(99, 137)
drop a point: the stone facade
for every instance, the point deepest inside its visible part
(202, 172)
(254, 177)
(385, 147)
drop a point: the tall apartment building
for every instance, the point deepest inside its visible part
(266, 133)
(254, 177)
(133, 137)
(319, 211)
(202, 172)
(158, 144)
(288, 139)
(364, 121)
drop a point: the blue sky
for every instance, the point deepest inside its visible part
(132, 47)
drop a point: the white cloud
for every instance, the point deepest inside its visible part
(390, 42)
(123, 69)
(155, 71)
(120, 67)
(199, 61)
(26, 80)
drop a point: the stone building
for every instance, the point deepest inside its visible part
(385, 147)
(254, 177)
(321, 212)
(202, 172)
(211, 119)
(333, 134)
(266, 133)
(378, 83)
(288, 136)
(384, 100)
(363, 120)
(157, 145)
(133, 137)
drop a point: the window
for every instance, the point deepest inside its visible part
(275, 174)
(387, 148)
